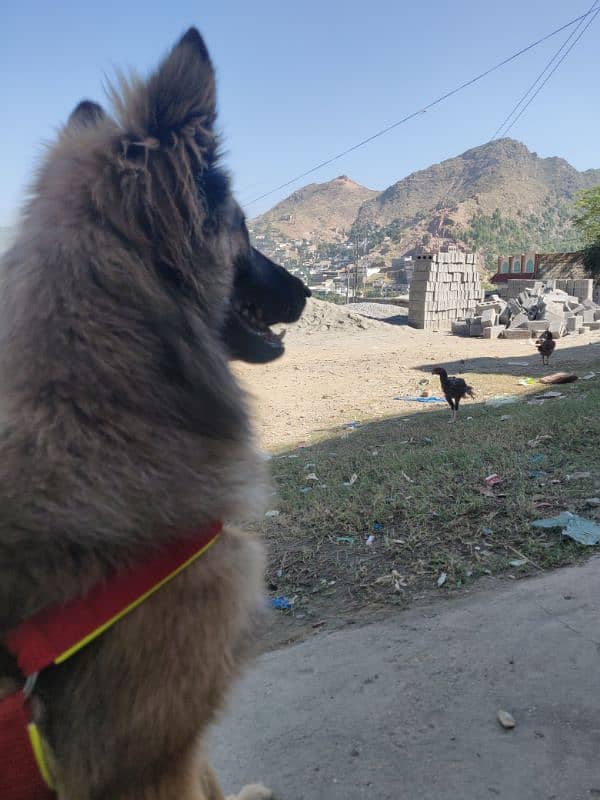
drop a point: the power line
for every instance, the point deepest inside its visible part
(497, 133)
(423, 110)
(539, 89)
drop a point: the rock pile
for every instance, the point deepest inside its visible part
(320, 316)
(539, 307)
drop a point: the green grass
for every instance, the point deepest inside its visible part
(421, 493)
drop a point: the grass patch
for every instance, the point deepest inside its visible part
(420, 493)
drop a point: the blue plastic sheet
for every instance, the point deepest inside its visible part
(421, 399)
(281, 603)
(582, 530)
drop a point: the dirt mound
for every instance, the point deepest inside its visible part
(386, 312)
(320, 316)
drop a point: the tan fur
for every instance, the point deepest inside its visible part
(121, 426)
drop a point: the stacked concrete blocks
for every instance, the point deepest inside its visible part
(445, 287)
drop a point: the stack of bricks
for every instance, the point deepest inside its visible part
(445, 287)
(582, 288)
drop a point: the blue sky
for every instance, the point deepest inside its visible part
(301, 81)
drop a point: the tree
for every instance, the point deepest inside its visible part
(588, 222)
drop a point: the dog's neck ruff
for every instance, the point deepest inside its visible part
(55, 634)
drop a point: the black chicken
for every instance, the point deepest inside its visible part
(454, 389)
(545, 345)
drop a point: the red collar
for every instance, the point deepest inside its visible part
(56, 633)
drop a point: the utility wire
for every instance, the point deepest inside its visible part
(423, 110)
(539, 89)
(499, 133)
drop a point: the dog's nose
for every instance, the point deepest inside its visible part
(307, 291)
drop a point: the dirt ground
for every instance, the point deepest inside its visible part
(334, 375)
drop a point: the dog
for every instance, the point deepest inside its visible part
(130, 288)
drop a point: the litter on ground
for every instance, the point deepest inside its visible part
(421, 399)
(582, 530)
(559, 377)
(281, 603)
(543, 437)
(492, 480)
(501, 400)
(579, 476)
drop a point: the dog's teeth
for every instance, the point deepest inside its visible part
(280, 335)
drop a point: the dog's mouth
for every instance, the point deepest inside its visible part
(260, 341)
(264, 294)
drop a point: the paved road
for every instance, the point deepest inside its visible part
(406, 709)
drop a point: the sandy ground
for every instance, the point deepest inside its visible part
(406, 709)
(328, 377)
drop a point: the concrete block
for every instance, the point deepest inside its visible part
(574, 323)
(516, 333)
(538, 325)
(504, 318)
(514, 307)
(519, 321)
(593, 326)
(552, 307)
(460, 328)
(488, 318)
(530, 303)
(476, 329)
(557, 328)
(588, 315)
(583, 288)
(494, 331)
(597, 315)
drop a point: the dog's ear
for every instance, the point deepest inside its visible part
(179, 96)
(87, 113)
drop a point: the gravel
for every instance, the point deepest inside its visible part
(395, 315)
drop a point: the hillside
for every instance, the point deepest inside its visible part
(321, 212)
(493, 198)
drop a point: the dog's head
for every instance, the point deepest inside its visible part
(179, 204)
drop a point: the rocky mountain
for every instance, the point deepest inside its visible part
(495, 198)
(322, 212)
